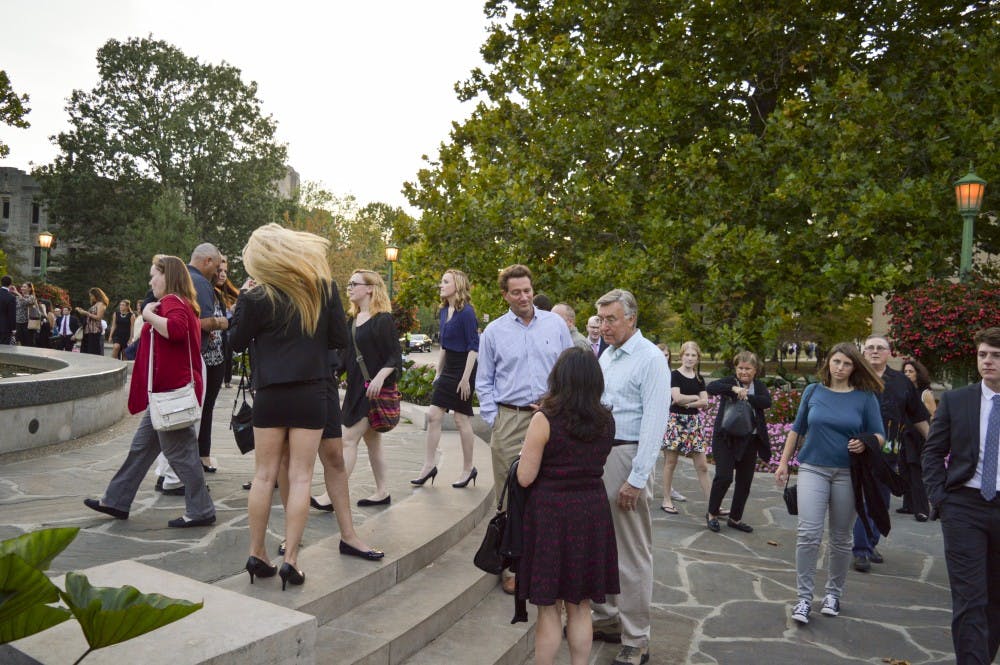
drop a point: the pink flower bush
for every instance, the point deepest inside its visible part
(785, 404)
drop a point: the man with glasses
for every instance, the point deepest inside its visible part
(902, 410)
(516, 353)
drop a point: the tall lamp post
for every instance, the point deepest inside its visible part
(391, 255)
(45, 242)
(969, 196)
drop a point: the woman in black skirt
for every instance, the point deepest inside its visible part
(286, 310)
(456, 374)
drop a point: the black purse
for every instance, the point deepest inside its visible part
(242, 420)
(488, 557)
(791, 497)
(737, 419)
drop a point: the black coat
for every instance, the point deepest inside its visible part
(8, 315)
(759, 400)
(512, 546)
(954, 431)
(866, 468)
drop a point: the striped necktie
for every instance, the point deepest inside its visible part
(988, 488)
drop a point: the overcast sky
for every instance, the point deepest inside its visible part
(360, 90)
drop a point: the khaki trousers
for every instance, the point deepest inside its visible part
(509, 429)
(634, 533)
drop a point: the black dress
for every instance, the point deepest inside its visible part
(123, 329)
(569, 548)
(378, 342)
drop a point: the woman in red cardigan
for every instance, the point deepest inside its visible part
(173, 327)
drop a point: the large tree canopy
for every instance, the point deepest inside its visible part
(161, 137)
(13, 108)
(747, 165)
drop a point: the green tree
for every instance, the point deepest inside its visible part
(13, 108)
(160, 123)
(775, 163)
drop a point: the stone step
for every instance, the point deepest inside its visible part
(397, 623)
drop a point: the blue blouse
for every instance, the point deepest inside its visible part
(461, 334)
(830, 419)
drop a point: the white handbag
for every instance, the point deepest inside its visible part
(172, 409)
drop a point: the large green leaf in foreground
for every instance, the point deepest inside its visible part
(22, 589)
(39, 548)
(109, 616)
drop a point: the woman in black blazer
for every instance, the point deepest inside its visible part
(289, 312)
(738, 453)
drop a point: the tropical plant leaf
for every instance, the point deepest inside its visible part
(33, 620)
(39, 548)
(22, 587)
(109, 616)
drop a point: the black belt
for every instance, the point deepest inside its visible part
(621, 442)
(514, 407)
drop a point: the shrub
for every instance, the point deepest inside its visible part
(417, 383)
(58, 296)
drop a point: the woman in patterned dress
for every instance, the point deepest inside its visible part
(685, 433)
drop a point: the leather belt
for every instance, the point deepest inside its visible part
(621, 442)
(514, 407)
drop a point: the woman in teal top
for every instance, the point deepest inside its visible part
(831, 418)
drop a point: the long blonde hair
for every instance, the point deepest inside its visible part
(294, 264)
(380, 295)
(463, 290)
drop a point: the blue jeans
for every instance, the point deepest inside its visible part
(863, 545)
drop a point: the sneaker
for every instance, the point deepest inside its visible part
(607, 630)
(631, 656)
(862, 563)
(876, 556)
(677, 496)
(801, 610)
(831, 606)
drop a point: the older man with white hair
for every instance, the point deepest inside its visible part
(568, 314)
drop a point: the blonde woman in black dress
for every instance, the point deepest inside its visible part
(456, 375)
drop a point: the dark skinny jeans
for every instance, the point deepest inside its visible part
(725, 465)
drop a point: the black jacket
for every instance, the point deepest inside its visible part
(866, 468)
(759, 400)
(954, 431)
(8, 315)
(512, 546)
(74, 323)
(282, 353)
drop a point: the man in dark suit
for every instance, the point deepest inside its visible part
(964, 494)
(66, 326)
(8, 310)
(594, 337)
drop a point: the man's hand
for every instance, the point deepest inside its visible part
(628, 497)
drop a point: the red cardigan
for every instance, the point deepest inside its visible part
(170, 362)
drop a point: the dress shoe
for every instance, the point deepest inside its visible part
(259, 568)
(173, 491)
(326, 508)
(159, 484)
(876, 556)
(509, 585)
(712, 523)
(208, 469)
(248, 484)
(430, 475)
(375, 502)
(607, 630)
(739, 526)
(862, 564)
(904, 511)
(289, 573)
(920, 517)
(184, 522)
(370, 555)
(465, 483)
(94, 504)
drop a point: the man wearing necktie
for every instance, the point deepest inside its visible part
(594, 338)
(964, 495)
(66, 325)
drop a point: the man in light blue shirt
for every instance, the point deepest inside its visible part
(637, 388)
(516, 354)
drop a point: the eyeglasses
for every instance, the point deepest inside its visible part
(352, 285)
(876, 349)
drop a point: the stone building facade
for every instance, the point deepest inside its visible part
(22, 218)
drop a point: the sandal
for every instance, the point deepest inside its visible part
(670, 510)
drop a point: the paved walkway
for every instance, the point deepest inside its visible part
(718, 598)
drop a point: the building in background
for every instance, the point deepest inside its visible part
(22, 218)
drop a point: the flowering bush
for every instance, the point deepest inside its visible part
(935, 323)
(57, 295)
(784, 406)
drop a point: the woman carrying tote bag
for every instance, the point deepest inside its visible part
(173, 318)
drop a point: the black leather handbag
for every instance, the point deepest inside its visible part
(737, 419)
(488, 557)
(242, 420)
(791, 497)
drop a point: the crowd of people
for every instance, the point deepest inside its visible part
(584, 416)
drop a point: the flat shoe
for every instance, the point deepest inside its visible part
(183, 522)
(208, 469)
(712, 523)
(920, 517)
(328, 508)
(94, 504)
(375, 502)
(739, 526)
(670, 510)
(370, 555)
(173, 491)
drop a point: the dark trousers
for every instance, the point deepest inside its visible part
(916, 499)
(213, 382)
(65, 342)
(971, 529)
(725, 464)
(863, 545)
(92, 343)
(227, 357)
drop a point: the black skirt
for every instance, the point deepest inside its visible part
(332, 428)
(446, 388)
(301, 404)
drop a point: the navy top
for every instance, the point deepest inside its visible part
(460, 334)
(830, 419)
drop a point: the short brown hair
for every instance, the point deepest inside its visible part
(989, 336)
(512, 272)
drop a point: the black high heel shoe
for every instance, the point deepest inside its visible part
(465, 483)
(257, 567)
(431, 475)
(289, 573)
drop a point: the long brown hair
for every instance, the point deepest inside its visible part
(576, 384)
(177, 279)
(463, 290)
(863, 376)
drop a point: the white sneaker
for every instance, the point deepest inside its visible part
(801, 610)
(677, 496)
(831, 606)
